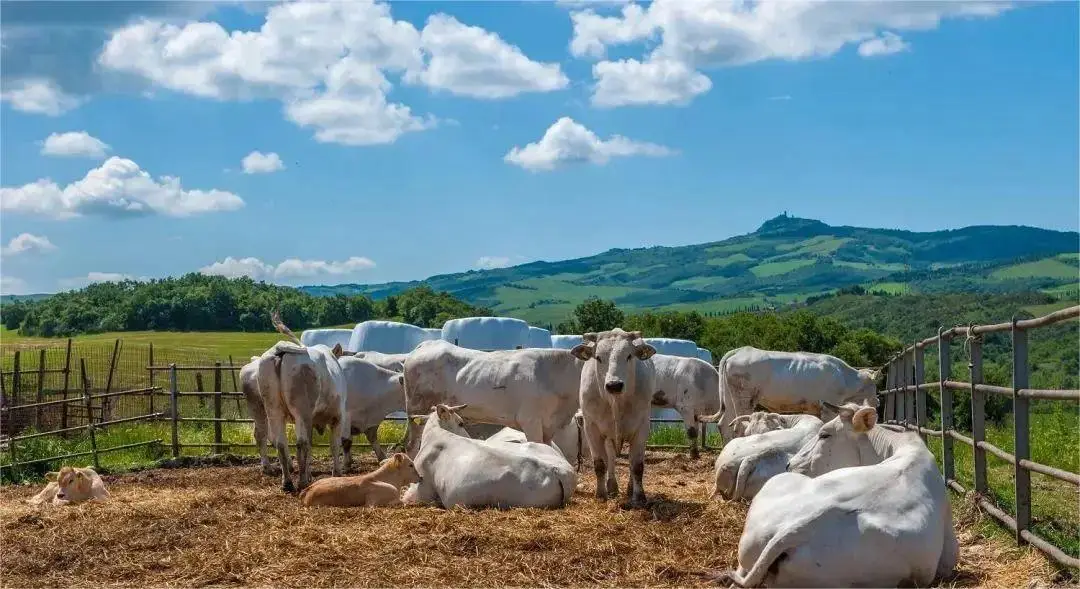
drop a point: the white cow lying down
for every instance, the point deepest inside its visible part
(760, 422)
(457, 470)
(569, 440)
(884, 522)
(71, 485)
(747, 462)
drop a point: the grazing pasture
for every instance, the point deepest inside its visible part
(232, 526)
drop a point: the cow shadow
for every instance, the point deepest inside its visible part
(662, 508)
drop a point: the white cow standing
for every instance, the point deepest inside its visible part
(458, 470)
(617, 385)
(372, 393)
(787, 382)
(747, 462)
(876, 515)
(689, 386)
(304, 385)
(532, 390)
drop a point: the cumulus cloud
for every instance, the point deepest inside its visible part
(568, 141)
(74, 144)
(716, 33)
(470, 61)
(327, 64)
(289, 269)
(490, 262)
(38, 96)
(11, 285)
(261, 163)
(119, 187)
(886, 44)
(661, 81)
(28, 243)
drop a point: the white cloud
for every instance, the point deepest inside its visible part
(567, 141)
(470, 61)
(291, 268)
(327, 63)
(886, 44)
(119, 187)
(95, 277)
(780, 97)
(631, 82)
(10, 285)
(39, 96)
(74, 144)
(490, 262)
(715, 33)
(27, 243)
(261, 163)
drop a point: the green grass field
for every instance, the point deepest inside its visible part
(1047, 268)
(777, 268)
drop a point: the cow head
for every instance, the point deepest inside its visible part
(447, 418)
(404, 468)
(868, 379)
(73, 484)
(757, 422)
(615, 353)
(838, 442)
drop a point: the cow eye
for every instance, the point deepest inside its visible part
(824, 435)
(598, 360)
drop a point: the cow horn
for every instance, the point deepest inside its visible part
(835, 408)
(711, 418)
(738, 419)
(457, 408)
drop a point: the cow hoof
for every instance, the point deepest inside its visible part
(613, 489)
(694, 456)
(288, 487)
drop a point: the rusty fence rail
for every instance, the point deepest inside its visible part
(905, 397)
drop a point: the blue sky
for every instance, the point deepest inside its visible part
(361, 142)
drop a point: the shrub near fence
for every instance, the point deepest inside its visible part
(906, 405)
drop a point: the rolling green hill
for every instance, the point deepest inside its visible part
(786, 260)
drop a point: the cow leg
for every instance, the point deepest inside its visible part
(637, 468)
(276, 425)
(258, 415)
(303, 453)
(612, 484)
(596, 447)
(692, 435)
(412, 435)
(534, 431)
(372, 435)
(336, 437)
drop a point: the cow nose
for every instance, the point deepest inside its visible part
(614, 386)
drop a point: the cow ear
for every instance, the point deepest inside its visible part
(583, 351)
(589, 336)
(401, 379)
(643, 350)
(864, 419)
(52, 476)
(338, 350)
(633, 335)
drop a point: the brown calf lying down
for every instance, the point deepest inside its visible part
(381, 486)
(71, 485)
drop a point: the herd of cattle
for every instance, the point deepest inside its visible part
(835, 498)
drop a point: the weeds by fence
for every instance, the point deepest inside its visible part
(906, 405)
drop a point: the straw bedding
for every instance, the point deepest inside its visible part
(228, 526)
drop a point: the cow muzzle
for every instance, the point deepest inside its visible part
(614, 386)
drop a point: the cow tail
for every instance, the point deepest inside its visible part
(715, 417)
(746, 468)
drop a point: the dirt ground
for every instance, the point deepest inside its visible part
(231, 526)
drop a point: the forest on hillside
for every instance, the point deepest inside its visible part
(195, 302)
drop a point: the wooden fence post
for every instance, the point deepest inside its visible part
(1022, 443)
(217, 407)
(16, 379)
(106, 403)
(890, 379)
(174, 404)
(978, 413)
(920, 393)
(901, 393)
(235, 387)
(199, 388)
(89, 412)
(946, 405)
(150, 369)
(67, 380)
(40, 398)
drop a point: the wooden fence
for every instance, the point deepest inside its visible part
(905, 398)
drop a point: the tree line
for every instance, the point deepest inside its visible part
(196, 302)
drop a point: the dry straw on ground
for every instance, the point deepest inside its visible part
(233, 526)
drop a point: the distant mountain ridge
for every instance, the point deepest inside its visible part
(785, 260)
